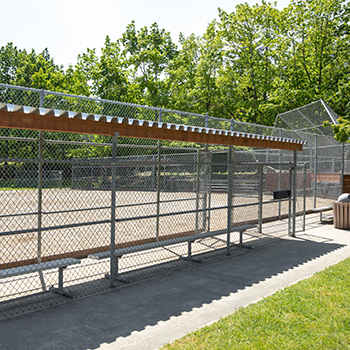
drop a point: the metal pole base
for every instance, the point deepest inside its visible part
(117, 278)
(60, 289)
(191, 258)
(241, 245)
(62, 292)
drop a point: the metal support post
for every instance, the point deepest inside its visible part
(280, 179)
(60, 278)
(40, 193)
(290, 201)
(229, 199)
(113, 263)
(342, 167)
(294, 191)
(40, 199)
(158, 179)
(304, 199)
(205, 190)
(210, 170)
(315, 171)
(232, 128)
(197, 192)
(42, 97)
(189, 249)
(261, 189)
(207, 202)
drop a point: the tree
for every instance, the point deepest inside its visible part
(10, 58)
(148, 52)
(316, 41)
(251, 36)
(40, 71)
(182, 72)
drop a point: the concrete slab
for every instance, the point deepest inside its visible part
(152, 313)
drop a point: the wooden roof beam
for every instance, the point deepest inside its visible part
(50, 120)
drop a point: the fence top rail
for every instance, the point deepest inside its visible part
(101, 100)
(23, 117)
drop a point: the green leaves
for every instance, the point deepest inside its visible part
(148, 52)
(249, 65)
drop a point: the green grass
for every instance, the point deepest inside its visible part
(312, 314)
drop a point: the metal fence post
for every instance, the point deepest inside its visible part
(315, 171)
(40, 181)
(114, 259)
(229, 199)
(304, 198)
(209, 169)
(40, 192)
(197, 191)
(294, 191)
(158, 178)
(261, 185)
(290, 200)
(42, 97)
(342, 168)
(279, 179)
(232, 128)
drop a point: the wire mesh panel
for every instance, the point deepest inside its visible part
(82, 213)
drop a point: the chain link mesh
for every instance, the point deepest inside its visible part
(62, 196)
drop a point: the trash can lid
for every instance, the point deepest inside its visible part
(345, 197)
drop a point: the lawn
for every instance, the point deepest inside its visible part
(312, 314)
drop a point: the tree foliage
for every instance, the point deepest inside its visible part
(249, 65)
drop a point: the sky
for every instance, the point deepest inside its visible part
(69, 27)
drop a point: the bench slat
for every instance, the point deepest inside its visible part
(318, 210)
(48, 265)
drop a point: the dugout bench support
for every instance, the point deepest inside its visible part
(39, 267)
(118, 253)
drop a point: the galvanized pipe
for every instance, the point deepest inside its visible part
(279, 178)
(197, 192)
(290, 202)
(294, 191)
(315, 171)
(40, 193)
(113, 258)
(261, 189)
(342, 168)
(304, 197)
(158, 180)
(229, 199)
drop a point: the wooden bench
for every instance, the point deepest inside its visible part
(321, 210)
(118, 253)
(39, 267)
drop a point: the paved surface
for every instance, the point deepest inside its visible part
(152, 313)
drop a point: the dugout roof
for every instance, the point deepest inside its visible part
(22, 117)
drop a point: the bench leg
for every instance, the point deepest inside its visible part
(117, 276)
(42, 281)
(60, 289)
(241, 241)
(189, 256)
(228, 243)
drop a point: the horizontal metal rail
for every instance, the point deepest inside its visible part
(196, 211)
(50, 228)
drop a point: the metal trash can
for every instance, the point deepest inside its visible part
(341, 211)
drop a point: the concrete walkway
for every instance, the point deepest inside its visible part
(152, 313)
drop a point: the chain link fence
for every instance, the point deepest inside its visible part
(83, 213)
